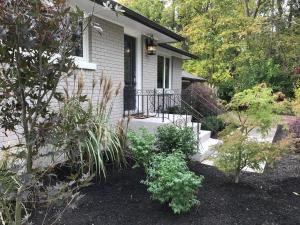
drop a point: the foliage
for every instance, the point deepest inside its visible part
(251, 109)
(213, 123)
(19, 192)
(142, 146)
(203, 99)
(37, 44)
(284, 107)
(238, 152)
(239, 43)
(241, 48)
(150, 8)
(170, 181)
(85, 133)
(168, 177)
(254, 108)
(171, 138)
(296, 102)
(33, 33)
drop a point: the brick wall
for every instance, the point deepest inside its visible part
(107, 51)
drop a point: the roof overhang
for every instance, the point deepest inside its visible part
(129, 19)
(186, 54)
(185, 76)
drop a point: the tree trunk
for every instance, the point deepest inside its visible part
(238, 168)
(246, 5)
(237, 176)
(29, 159)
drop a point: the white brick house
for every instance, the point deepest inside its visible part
(120, 52)
(122, 44)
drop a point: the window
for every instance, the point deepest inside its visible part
(163, 72)
(78, 40)
(81, 50)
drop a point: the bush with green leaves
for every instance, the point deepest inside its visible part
(171, 138)
(141, 146)
(170, 181)
(238, 152)
(252, 109)
(213, 123)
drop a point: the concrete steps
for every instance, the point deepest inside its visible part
(194, 126)
(204, 136)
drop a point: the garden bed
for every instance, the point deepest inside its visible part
(260, 199)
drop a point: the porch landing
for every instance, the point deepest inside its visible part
(206, 143)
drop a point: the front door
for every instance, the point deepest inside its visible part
(129, 73)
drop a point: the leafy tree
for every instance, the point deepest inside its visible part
(242, 45)
(149, 8)
(251, 109)
(37, 42)
(238, 152)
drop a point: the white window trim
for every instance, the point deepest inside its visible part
(84, 61)
(170, 72)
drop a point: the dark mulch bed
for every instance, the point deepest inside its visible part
(260, 199)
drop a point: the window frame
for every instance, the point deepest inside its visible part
(85, 44)
(84, 61)
(164, 73)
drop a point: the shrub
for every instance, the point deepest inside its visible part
(85, 134)
(171, 138)
(213, 123)
(252, 109)
(170, 181)
(238, 152)
(141, 146)
(284, 108)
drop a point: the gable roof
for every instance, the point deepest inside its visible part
(144, 20)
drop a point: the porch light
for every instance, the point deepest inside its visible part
(150, 46)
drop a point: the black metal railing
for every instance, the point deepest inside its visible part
(164, 104)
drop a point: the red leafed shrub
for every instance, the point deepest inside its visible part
(203, 99)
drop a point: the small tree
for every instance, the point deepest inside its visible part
(251, 109)
(37, 41)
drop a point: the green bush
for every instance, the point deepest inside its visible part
(171, 138)
(141, 146)
(213, 123)
(238, 152)
(170, 181)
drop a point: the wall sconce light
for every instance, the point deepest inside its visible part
(150, 46)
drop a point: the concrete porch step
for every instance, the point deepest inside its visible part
(155, 121)
(204, 135)
(206, 149)
(195, 126)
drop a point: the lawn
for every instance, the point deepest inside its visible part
(259, 199)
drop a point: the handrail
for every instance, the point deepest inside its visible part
(159, 102)
(215, 109)
(198, 115)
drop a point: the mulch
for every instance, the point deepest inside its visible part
(260, 199)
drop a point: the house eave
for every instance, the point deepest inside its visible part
(186, 54)
(145, 21)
